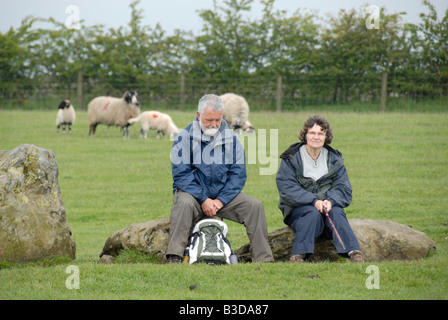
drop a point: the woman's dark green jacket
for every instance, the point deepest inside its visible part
(296, 190)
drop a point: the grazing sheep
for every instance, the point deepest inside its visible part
(157, 121)
(112, 111)
(236, 112)
(66, 116)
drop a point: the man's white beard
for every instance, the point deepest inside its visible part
(210, 131)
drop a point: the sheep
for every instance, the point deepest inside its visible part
(112, 111)
(157, 121)
(236, 112)
(66, 116)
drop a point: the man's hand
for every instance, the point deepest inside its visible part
(218, 204)
(208, 207)
(211, 207)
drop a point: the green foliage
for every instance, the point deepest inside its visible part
(322, 61)
(397, 167)
(37, 263)
(429, 40)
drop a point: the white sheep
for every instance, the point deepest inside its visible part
(156, 120)
(112, 111)
(236, 112)
(66, 116)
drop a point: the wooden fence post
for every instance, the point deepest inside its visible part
(80, 92)
(182, 92)
(279, 93)
(383, 91)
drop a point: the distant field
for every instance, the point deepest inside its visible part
(398, 167)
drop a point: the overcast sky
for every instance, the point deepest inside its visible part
(183, 14)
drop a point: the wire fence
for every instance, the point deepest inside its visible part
(276, 94)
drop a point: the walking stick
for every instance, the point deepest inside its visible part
(333, 227)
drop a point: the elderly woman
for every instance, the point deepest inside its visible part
(311, 180)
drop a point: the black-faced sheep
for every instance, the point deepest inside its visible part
(66, 116)
(236, 112)
(157, 121)
(112, 111)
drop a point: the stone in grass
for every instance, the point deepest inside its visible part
(379, 241)
(33, 223)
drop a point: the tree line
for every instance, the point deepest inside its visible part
(308, 59)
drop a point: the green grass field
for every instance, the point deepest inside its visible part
(397, 163)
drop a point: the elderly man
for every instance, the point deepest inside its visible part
(209, 172)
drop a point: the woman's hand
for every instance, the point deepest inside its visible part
(320, 205)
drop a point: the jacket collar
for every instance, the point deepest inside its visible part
(223, 136)
(292, 150)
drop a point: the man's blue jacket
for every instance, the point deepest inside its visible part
(208, 167)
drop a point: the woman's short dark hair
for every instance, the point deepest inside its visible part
(320, 121)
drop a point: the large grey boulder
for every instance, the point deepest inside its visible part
(379, 241)
(150, 237)
(389, 240)
(33, 224)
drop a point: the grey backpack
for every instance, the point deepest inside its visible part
(208, 243)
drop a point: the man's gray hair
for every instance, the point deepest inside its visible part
(210, 100)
